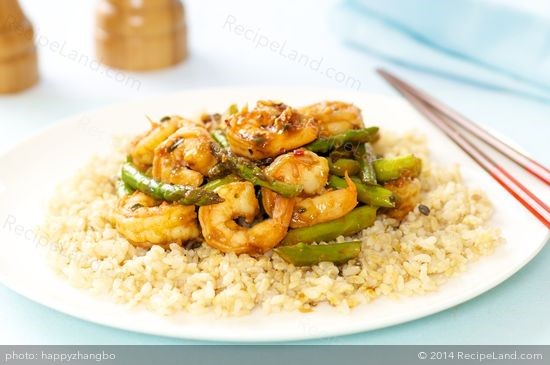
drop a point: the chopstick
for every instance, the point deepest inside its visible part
(531, 166)
(448, 123)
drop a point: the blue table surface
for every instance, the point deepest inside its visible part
(515, 312)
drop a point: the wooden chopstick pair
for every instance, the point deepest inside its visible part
(453, 125)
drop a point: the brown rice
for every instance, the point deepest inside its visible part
(411, 258)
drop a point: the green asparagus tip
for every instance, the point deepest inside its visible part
(183, 194)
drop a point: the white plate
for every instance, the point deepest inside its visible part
(30, 171)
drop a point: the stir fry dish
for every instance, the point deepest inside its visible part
(272, 177)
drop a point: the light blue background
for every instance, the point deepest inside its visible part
(516, 312)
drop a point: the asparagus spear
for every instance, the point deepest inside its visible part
(323, 145)
(393, 168)
(368, 194)
(218, 171)
(341, 153)
(339, 167)
(123, 189)
(365, 155)
(308, 255)
(183, 194)
(214, 184)
(353, 222)
(220, 138)
(249, 171)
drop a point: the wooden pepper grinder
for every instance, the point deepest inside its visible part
(18, 60)
(140, 35)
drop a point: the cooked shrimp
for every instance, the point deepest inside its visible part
(145, 221)
(185, 156)
(325, 207)
(407, 191)
(269, 130)
(222, 232)
(142, 152)
(334, 116)
(300, 167)
(311, 171)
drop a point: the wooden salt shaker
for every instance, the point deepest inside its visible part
(18, 60)
(140, 35)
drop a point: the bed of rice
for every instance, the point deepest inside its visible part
(410, 258)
